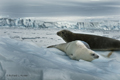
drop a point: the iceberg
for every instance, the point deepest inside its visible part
(37, 23)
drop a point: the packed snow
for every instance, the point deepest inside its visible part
(24, 56)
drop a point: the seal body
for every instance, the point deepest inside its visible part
(76, 50)
(95, 42)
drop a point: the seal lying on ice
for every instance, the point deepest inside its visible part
(76, 50)
(95, 42)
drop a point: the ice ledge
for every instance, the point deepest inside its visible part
(36, 23)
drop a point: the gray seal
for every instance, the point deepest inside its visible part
(95, 42)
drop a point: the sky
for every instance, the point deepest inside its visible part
(61, 9)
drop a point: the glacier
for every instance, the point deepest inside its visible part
(37, 23)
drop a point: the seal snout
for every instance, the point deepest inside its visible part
(97, 56)
(58, 33)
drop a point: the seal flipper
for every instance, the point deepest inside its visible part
(109, 54)
(86, 44)
(52, 46)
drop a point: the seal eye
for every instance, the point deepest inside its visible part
(93, 54)
(62, 32)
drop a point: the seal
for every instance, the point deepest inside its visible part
(76, 50)
(96, 42)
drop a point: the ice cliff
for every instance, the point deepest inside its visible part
(35, 23)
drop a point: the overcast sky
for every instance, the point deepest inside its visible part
(65, 9)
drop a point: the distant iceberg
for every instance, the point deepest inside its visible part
(37, 23)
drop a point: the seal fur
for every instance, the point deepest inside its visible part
(76, 50)
(96, 42)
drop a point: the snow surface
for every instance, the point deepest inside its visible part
(24, 56)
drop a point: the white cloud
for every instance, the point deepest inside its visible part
(59, 8)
